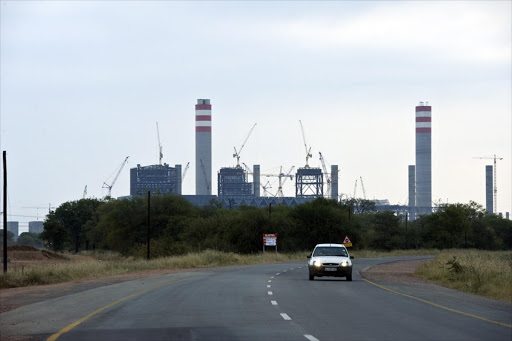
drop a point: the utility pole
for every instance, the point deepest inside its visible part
(406, 218)
(149, 226)
(5, 211)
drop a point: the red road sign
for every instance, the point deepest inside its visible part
(270, 239)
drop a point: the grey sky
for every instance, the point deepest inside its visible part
(83, 83)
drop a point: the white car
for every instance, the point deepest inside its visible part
(330, 260)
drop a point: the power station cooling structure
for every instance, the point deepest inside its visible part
(203, 147)
(423, 158)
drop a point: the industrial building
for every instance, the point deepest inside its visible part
(35, 227)
(423, 167)
(233, 182)
(203, 147)
(489, 205)
(334, 182)
(412, 192)
(14, 226)
(157, 179)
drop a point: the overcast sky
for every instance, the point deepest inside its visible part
(84, 83)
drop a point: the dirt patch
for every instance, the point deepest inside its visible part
(17, 297)
(400, 271)
(20, 248)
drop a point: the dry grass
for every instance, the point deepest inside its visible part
(93, 264)
(394, 253)
(108, 264)
(487, 273)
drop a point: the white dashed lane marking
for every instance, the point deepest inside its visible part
(311, 338)
(286, 317)
(268, 286)
(277, 274)
(273, 302)
(269, 281)
(284, 270)
(270, 293)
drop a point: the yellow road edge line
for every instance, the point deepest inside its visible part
(97, 311)
(438, 305)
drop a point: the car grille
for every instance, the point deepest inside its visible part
(330, 264)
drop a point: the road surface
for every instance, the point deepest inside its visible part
(263, 302)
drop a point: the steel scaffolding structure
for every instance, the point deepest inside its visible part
(309, 183)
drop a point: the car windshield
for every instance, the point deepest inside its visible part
(330, 251)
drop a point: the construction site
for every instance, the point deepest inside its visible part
(238, 185)
(242, 185)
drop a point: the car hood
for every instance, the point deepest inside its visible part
(330, 259)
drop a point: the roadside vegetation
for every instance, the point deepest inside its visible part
(111, 235)
(93, 264)
(178, 227)
(486, 273)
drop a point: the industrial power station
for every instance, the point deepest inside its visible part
(234, 187)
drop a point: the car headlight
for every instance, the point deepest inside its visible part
(317, 263)
(345, 263)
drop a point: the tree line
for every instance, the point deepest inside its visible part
(178, 227)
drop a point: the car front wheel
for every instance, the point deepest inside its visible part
(311, 277)
(349, 277)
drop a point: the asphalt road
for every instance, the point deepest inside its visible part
(264, 302)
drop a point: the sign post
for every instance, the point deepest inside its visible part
(269, 239)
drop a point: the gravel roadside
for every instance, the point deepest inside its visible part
(399, 271)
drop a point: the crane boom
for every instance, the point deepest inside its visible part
(237, 153)
(185, 171)
(327, 175)
(362, 186)
(105, 185)
(85, 192)
(265, 187)
(281, 182)
(160, 154)
(205, 177)
(308, 151)
(355, 188)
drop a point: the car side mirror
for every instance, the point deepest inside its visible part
(309, 256)
(351, 257)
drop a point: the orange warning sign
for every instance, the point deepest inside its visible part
(347, 242)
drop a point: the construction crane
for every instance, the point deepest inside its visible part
(495, 189)
(265, 188)
(247, 168)
(237, 153)
(362, 186)
(327, 174)
(355, 188)
(85, 192)
(280, 177)
(160, 153)
(105, 185)
(185, 172)
(281, 182)
(208, 185)
(308, 150)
